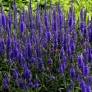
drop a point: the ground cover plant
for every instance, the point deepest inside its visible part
(45, 50)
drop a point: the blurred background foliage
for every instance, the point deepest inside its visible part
(65, 4)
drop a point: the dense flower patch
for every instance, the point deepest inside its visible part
(45, 51)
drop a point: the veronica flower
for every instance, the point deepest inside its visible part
(10, 20)
(3, 19)
(89, 80)
(33, 60)
(83, 86)
(26, 73)
(71, 48)
(70, 87)
(15, 73)
(21, 83)
(55, 43)
(22, 26)
(48, 36)
(36, 84)
(80, 61)
(55, 39)
(65, 42)
(21, 59)
(90, 32)
(46, 21)
(54, 21)
(71, 19)
(83, 22)
(83, 29)
(72, 73)
(60, 15)
(28, 49)
(40, 65)
(2, 47)
(62, 53)
(86, 70)
(38, 52)
(62, 68)
(5, 82)
(50, 61)
(86, 55)
(30, 84)
(90, 55)
(14, 53)
(38, 22)
(8, 47)
(88, 88)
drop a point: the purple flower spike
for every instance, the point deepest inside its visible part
(50, 61)
(72, 73)
(54, 21)
(5, 82)
(26, 73)
(83, 86)
(83, 22)
(61, 17)
(80, 61)
(10, 20)
(46, 21)
(48, 36)
(89, 88)
(90, 32)
(3, 19)
(22, 26)
(86, 70)
(37, 84)
(2, 47)
(21, 84)
(30, 84)
(62, 68)
(15, 73)
(71, 20)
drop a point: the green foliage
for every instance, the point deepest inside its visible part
(65, 4)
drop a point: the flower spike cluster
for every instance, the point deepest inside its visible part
(44, 48)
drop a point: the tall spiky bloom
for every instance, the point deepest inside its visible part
(71, 19)
(80, 61)
(15, 73)
(2, 47)
(10, 20)
(27, 73)
(21, 84)
(3, 19)
(83, 86)
(54, 21)
(8, 47)
(54, 29)
(36, 84)
(60, 15)
(90, 31)
(86, 71)
(88, 88)
(46, 20)
(5, 82)
(72, 73)
(22, 24)
(38, 21)
(83, 22)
